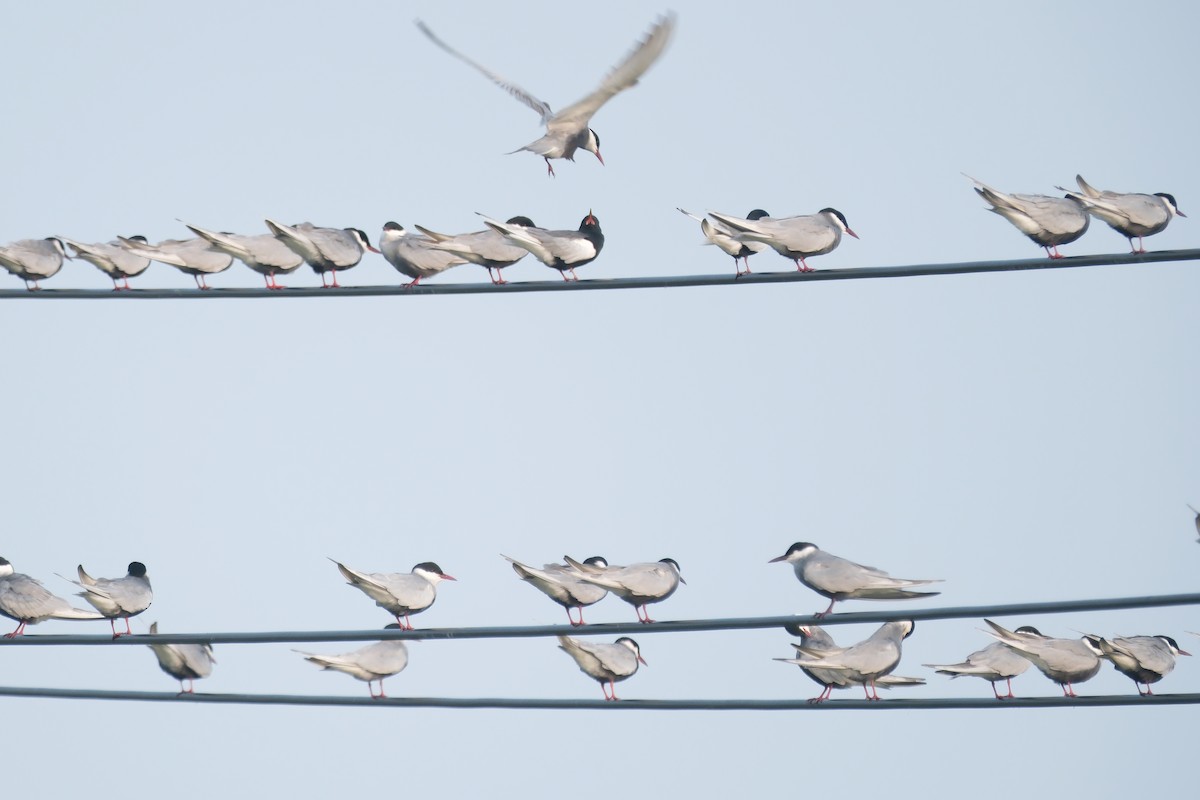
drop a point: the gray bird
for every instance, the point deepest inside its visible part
(606, 663)
(560, 250)
(637, 584)
(264, 253)
(371, 663)
(1131, 215)
(1142, 659)
(794, 238)
(414, 255)
(562, 584)
(864, 663)
(33, 260)
(568, 130)
(994, 663)
(727, 239)
(1196, 521)
(183, 662)
(1048, 221)
(112, 259)
(25, 600)
(840, 579)
(815, 639)
(324, 249)
(195, 257)
(117, 598)
(1064, 661)
(489, 249)
(399, 593)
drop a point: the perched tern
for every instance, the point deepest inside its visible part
(400, 593)
(33, 260)
(195, 257)
(607, 663)
(728, 239)
(25, 600)
(637, 584)
(1064, 661)
(1142, 659)
(324, 249)
(1131, 215)
(489, 249)
(264, 253)
(792, 237)
(563, 585)
(371, 663)
(414, 255)
(865, 663)
(560, 250)
(112, 259)
(840, 579)
(117, 598)
(568, 130)
(183, 662)
(1048, 221)
(994, 663)
(816, 640)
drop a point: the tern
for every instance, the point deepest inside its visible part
(112, 259)
(793, 237)
(489, 249)
(117, 598)
(1142, 659)
(1131, 215)
(637, 584)
(183, 662)
(33, 260)
(815, 639)
(25, 600)
(264, 253)
(563, 585)
(607, 663)
(840, 579)
(727, 239)
(560, 250)
(568, 130)
(994, 663)
(324, 249)
(866, 662)
(1048, 221)
(400, 593)
(371, 663)
(415, 255)
(195, 257)
(1064, 661)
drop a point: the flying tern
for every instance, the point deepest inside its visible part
(840, 579)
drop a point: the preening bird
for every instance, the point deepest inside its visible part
(183, 662)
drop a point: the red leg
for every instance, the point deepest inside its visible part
(549, 167)
(18, 632)
(335, 284)
(825, 613)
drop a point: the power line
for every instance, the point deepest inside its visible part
(664, 282)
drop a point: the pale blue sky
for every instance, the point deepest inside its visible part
(1023, 436)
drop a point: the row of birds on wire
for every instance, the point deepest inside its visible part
(575, 585)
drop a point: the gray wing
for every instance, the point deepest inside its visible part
(33, 256)
(260, 250)
(23, 597)
(1149, 653)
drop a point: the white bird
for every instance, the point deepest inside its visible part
(607, 663)
(371, 663)
(1064, 661)
(112, 259)
(866, 662)
(195, 257)
(117, 598)
(33, 260)
(1048, 221)
(415, 255)
(568, 130)
(1131, 215)
(324, 249)
(795, 238)
(400, 593)
(994, 663)
(637, 584)
(813, 640)
(728, 239)
(183, 662)
(563, 585)
(264, 253)
(839, 579)
(489, 249)
(1142, 659)
(25, 600)
(560, 250)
